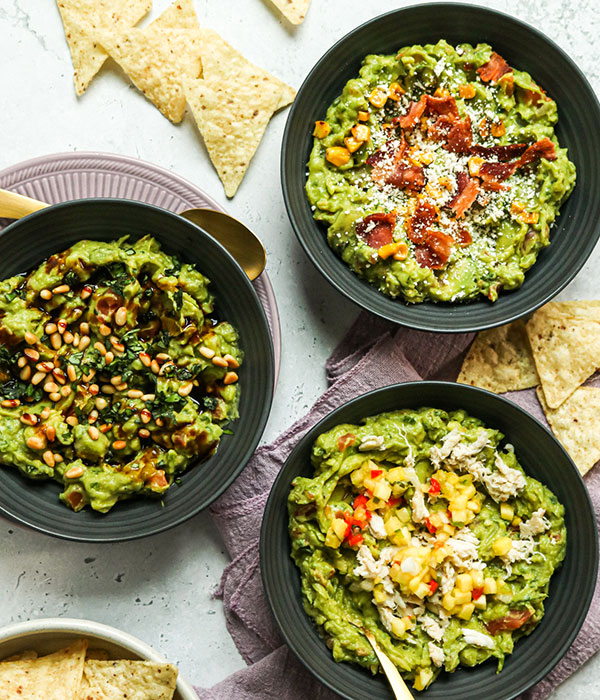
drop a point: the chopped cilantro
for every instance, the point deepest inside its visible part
(210, 403)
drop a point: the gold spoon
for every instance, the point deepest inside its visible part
(232, 234)
(399, 687)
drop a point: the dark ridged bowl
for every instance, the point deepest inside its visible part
(576, 230)
(571, 587)
(24, 244)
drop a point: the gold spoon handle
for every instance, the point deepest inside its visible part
(16, 206)
(395, 680)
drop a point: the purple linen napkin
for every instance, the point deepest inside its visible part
(372, 354)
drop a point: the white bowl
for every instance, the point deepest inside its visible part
(50, 634)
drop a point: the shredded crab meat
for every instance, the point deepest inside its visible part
(477, 639)
(536, 524)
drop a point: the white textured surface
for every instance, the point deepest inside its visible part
(160, 589)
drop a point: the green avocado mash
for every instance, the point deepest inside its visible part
(114, 373)
(420, 527)
(438, 173)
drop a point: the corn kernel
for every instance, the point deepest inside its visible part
(475, 165)
(321, 130)
(464, 582)
(466, 611)
(498, 129)
(352, 144)
(502, 546)
(363, 116)
(387, 250)
(516, 521)
(490, 587)
(396, 91)
(337, 155)
(467, 92)
(507, 512)
(378, 98)
(402, 252)
(361, 132)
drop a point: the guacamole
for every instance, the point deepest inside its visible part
(438, 173)
(115, 374)
(421, 526)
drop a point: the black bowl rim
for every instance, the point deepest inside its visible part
(441, 386)
(315, 257)
(265, 410)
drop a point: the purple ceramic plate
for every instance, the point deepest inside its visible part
(59, 177)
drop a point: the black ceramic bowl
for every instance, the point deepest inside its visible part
(577, 228)
(571, 588)
(24, 244)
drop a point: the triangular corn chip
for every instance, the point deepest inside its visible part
(565, 342)
(575, 424)
(81, 19)
(134, 680)
(294, 10)
(157, 61)
(500, 360)
(53, 677)
(179, 15)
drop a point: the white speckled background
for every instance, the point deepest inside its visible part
(160, 588)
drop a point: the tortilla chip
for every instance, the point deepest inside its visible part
(565, 341)
(97, 654)
(575, 424)
(54, 677)
(500, 360)
(81, 19)
(157, 61)
(179, 15)
(128, 680)
(28, 654)
(294, 10)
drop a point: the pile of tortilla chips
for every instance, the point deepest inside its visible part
(76, 673)
(174, 61)
(557, 350)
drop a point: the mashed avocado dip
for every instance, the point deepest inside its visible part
(439, 173)
(418, 526)
(114, 373)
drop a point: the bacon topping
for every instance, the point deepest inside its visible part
(410, 177)
(415, 112)
(503, 153)
(540, 149)
(440, 244)
(467, 192)
(427, 258)
(387, 151)
(512, 621)
(442, 105)
(494, 69)
(457, 133)
(463, 238)
(377, 229)
(424, 216)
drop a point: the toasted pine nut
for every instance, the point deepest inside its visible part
(185, 389)
(230, 378)
(51, 432)
(62, 326)
(74, 473)
(65, 391)
(109, 357)
(101, 403)
(32, 354)
(25, 373)
(56, 341)
(143, 433)
(116, 380)
(93, 389)
(93, 417)
(76, 339)
(148, 397)
(119, 445)
(160, 422)
(72, 420)
(50, 387)
(163, 357)
(30, 338)
(29, 419)
(36, 442)
(145, 415)
(44, 367)
(121, 316)
(231, 361)
(58, 457)
(100, 347)
(93, 432)
(145, 359)
(108, 389)
(84, 342)
(121, 387)
(71, 373)
(104, 329)
(105, 427)
(207, 352)
(38, 377)
(46, 294)
(68, 337)
(54, 396)
(59, 375)
(50, 328)
(84, 327)
(45, 413)
(134, 394)
(219, 361)
(61, 289)
(22, 361)
(86, 292)
(48, 457)
(154, 366)
(11, 403)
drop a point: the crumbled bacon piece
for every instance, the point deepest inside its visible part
(496, 172)
(440, 244)
(386, 152)
(463, 238)
(410, 177)
(467, 192)
(511, 621)
(503, 153)
(457, 133)
(415, 112)
(442, 105)
(427, 258)
(377, 229)
(424, 216)
(494, 69)
(540, 149)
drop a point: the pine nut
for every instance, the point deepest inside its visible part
(29, 419)
(57, 457)
(50, 328)
(185, 389)
(93, 389)
(76, 339)
(48, 457)
(71, 373)
(72, 421)
(84, 342)
(86, 292)
(148, 397)
(121, 316)
(230, 378)
(11, 403)
(44, 367)
(36, 442)
(219, 361)
(162, 357)
(119, 445)
(160, 422)
(93, 417)
(84, 327)
(38, 377)
(32, 354)
(50, 387)
(101, 403)
(100, 347)
(59, 375)
(231, 361)
(46, 294)
(108, 389)
(61, 289)
(134, 394)
(105, 427)
(145, 415)
(45, 413)
(207, 352)
(145, 359)
(122, 386)
(154, 366)
(93, 432)
(54, 396)
(65, 391)
(56, 341)
(25, 373)
(51, 433)
(119, 347)
(68, 337)
(116, 380)
(143, 433)
(74, 473)
(30, 338)
(104, 329)
(62, 326)
(109, 357)
(22, 361)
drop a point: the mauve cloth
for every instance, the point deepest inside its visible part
(372, 354)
